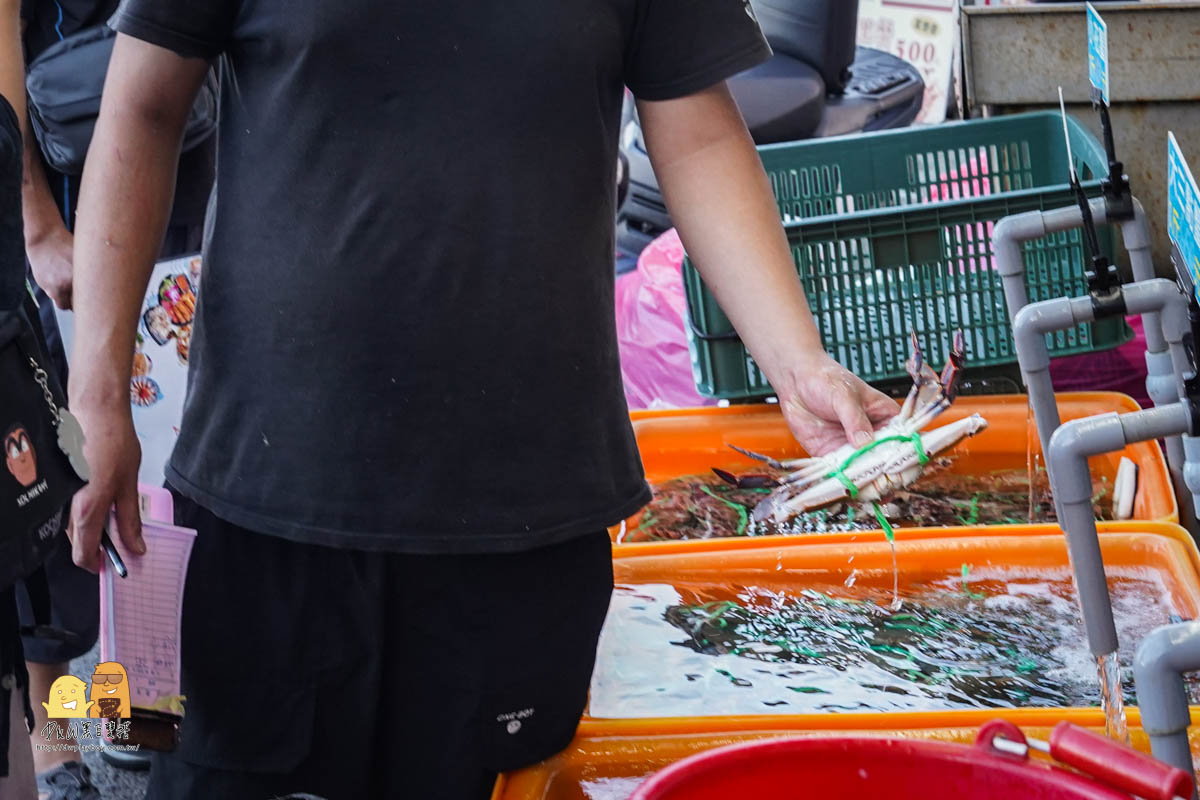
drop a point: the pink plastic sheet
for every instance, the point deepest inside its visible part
(651, 314)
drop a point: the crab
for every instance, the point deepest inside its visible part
(896, 456)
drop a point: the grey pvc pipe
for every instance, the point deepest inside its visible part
(1070, 447)
(1030, 326)
(1191, 468)
(1008, 238)
(1032, 323)
(1135, 235)
(1158, 295)
(1011, 233)
(1162, 659)
(1182, 452)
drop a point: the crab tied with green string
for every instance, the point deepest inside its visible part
(893, 459)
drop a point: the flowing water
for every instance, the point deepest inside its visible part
(1108, 666)
(990, 638)
(1030, 436)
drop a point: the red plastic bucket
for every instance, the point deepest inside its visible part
(904, 769)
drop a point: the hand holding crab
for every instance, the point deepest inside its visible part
(871, 468)
(830, 406)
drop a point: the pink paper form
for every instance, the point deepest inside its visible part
(140, 615)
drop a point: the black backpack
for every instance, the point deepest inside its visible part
(37, 480)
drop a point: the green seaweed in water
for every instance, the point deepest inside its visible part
(958, 649)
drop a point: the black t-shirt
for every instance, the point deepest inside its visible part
(12, 241)
(406, 339)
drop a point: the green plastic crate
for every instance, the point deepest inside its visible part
(892, 231)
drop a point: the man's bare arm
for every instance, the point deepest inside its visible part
(721, 202)
(125, 199)
(12, 62)
(47, 241)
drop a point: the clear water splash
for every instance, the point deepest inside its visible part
(895, 577)
(1011, 639)
(1109, 668)
(1030, 433)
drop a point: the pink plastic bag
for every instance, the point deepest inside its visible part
(651, 315)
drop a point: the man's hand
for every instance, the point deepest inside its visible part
(113, 454)
(827, 405)
(128, 182)
(52, 263)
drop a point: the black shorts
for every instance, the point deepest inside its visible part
(74, 607)
(349, 674)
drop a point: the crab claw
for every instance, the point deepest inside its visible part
(746, 481)
(952, 372)
(925, 381)
(916, 362)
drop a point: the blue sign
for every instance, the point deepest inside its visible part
(1183, 211)
(1097, 52)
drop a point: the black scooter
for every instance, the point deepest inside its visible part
(817, 84)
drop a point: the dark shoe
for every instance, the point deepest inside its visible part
(69, 781)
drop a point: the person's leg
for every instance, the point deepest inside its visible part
(490, 658)
(40, 678)
(19, 784)
(278, 670)
(74, 608)
(17, 781)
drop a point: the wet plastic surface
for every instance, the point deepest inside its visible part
(693, 441)
(1160, 552)
(607, 758)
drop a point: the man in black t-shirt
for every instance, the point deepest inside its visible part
(405, 431)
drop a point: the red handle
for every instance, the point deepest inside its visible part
(1118, 765)
(1003, 729)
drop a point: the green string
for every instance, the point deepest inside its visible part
(743, 519)
(852, 491)
(883, 523)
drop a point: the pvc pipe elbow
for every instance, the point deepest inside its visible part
(1135, 232)
(1162, 658)
(1034, 321)
(1007, 237)
(1147, 296)
(1070, 447)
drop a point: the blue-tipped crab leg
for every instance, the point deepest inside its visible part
(746, 481)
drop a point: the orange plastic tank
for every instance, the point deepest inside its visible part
(1161, 553)
(680, 442)
(606, 760)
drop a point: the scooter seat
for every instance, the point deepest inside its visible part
(782, 99)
